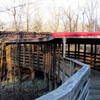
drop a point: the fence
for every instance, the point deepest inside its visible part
(75, 82)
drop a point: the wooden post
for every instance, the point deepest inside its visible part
(24, 52)
(45, 62)
(91, 62)
(2, 49)
(3, 63)
(75, 50)
(31, 63)
(68, 50)
(78, 51)
(50, 71)
(38, 55)
(95, 53)
(58, 79)
(84, 52)
(64, 47)
(55, 66)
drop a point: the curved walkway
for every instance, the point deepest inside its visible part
(94, 85)
(75, 78)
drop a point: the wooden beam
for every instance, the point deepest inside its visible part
(68, 50)
(64, 47)
(84, 52)
(95, 53)
(75, 49)
(78, 51)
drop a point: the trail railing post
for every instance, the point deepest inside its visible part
(64, 46)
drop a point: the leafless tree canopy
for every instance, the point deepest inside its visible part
(27, 17)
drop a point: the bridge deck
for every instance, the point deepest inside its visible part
(94, 85)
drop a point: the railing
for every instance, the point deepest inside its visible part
(12, 37)
(75, 82)
(91, 58)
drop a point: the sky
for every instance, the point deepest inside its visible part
(45, 7)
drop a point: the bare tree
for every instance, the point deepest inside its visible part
(70, 21)
(14, 19)
(27, 15)
(55, 21)
(2, 25)
(15, 13)
(37, 24)
(90, 13)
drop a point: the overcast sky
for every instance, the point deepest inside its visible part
(46, 6)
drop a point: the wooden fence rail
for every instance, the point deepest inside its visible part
(75, 78)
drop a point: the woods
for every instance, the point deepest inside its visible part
(32, 16)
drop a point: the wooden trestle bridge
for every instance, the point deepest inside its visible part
(60, 62)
